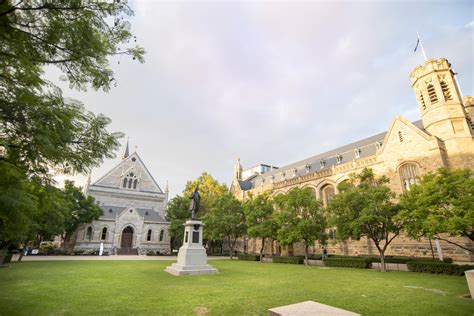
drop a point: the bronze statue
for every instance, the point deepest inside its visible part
(195, 203)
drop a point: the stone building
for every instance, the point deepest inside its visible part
(443, 137)
(134, 209)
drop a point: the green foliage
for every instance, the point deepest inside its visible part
(438, 267)
(42, 132)
(442, 202)
(259, 217)
(225, 220)
(291, 260)
(364, 207)
(177, 214)
(361, 263)
(248, 257)
(404, 260)
(209, 189)
(300, 218)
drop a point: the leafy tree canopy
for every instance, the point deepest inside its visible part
(40, 129)
(442, 202)
(177, 214)
(300, 218)
(364, 207)
(209, 189)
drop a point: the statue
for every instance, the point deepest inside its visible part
(195, 203)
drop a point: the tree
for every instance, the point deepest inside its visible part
(259, 218)
(177, 214)
(40, 130)
(441, 203)
(80, 209)
(209, 189)
(364, 208)
(300, 218)
(225, 220)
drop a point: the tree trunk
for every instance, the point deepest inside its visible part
(3, 253)
(432, 251)
(382, 261)
(261, 249)
(23, 250)
(306, 255)
(231, 247)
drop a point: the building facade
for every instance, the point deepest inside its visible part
(134, 211)
(407, 150)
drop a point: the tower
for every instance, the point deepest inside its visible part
(238, 170)
(441, 107)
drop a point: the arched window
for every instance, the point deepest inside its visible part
(327, 193)
(400, 136)
(130, 181)
(148, 235)
(89, 233)
(135, 183)
(432, 93)
(408, 175)
(103, 236)
(124, 183)
(162, 235)
(422, 101)
(446, 92)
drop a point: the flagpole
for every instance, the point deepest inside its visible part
(421, 45)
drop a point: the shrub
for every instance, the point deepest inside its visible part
(293, 260)
(401, 259)
(59, 252)
(438, 267)
(249, 257)
(150, 253)
(362, 263)
(7, 258)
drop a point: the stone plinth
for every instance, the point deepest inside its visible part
(192, 257)
(309, 308)
(470, 281)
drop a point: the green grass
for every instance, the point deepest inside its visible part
(241, 288)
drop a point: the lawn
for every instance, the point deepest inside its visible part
(241, 288)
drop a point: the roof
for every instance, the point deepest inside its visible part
(367, 147)
(110, 212)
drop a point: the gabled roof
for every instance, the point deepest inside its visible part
(109, 180)
(367, 147)
(110, 212)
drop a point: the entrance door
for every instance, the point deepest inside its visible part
(127, 237)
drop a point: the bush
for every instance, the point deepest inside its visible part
(59, 252)
(401, 259)
(248, 257)
(293, 260)
(438, 267)
(361, 263)
(7, 258)
(151, 253)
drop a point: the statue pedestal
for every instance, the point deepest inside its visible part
(192, 257)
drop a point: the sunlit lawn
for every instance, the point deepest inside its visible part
(250, 288)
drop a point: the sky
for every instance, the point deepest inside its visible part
(270, 82)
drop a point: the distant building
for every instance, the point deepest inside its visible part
(134, 209)
(407, 150)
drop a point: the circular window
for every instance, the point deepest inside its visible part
(131, 211)
(134, 159)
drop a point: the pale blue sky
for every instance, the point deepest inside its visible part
(271, 82)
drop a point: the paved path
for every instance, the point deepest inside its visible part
(70, 258)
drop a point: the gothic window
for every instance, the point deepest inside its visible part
(327, 193)
(308, 168)
(89, 233)
(162, 235)
(357, 152)
(446, 92)
(338, 159)
(422, 101)
(294, 172)
(148, 235)
(130, 181)
(408, 175)
(103, 235)
(432, 93)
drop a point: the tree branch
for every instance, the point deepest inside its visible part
(456, 244)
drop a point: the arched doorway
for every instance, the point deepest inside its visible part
(127, 240)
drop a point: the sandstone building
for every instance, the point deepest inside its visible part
(443, 137)
(134, 209)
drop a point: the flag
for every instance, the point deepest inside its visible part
(417, 43)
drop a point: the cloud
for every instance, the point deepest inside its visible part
(271, 82)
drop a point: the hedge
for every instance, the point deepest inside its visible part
(293, 260)
(400, 259)
(362, 263)
(438, 267)
(248, 257)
